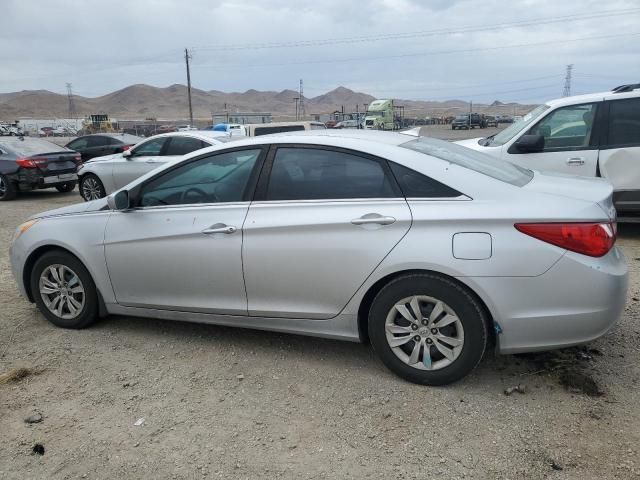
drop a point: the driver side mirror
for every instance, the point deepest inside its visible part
(119, 201)
(530, 143)
(126, 154)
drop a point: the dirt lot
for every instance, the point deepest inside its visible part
(230, 403)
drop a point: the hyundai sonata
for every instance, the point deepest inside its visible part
(430, 251)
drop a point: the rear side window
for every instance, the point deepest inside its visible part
(416, 185)
(183, 145)
(315, 174)
(467, 158)
(624, 123)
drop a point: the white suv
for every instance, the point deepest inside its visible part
(595, 135)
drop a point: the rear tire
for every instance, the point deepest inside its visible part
(8, 190)
(66, 187)
(446, 339)
(63, 290)
(91, 188)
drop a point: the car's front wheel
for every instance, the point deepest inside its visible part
(91, 188)
(63, 290)
(427, 329)
(66, 187)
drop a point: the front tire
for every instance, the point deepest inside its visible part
(63, 290)
(8, 189)
(91, 188)
(427, 329)
(66, 187)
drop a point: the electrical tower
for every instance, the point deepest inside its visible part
(567, 82)
(301, 95)
(188, 57)
(72, 105)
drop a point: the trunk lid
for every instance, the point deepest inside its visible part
(596, 190)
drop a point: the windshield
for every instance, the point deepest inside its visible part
(375, 113)
(508, 133)
(462, 117)
(471, 159)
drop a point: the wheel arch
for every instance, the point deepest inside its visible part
(38, 253)
(367, 300)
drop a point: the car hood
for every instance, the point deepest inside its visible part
(471, 143)
(84, 207)
(105, 158)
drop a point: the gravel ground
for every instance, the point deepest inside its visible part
(229, 403)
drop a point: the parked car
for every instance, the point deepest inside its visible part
(99, 144)
(102, 175)
(430, 251)
(258, 129)
(233, 129)
(32, 163)
(185, 128)
(595, 135)
(490, 121)
(347, 124)
(467, 121)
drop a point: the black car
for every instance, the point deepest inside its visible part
(99, 144)
(467, 121)
(33, 163)
(490, 121)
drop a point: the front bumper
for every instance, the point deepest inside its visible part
(17, 257)
(576, 301)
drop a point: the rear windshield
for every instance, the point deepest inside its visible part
(31, 146)
(471, 159)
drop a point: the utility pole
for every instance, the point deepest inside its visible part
(187, 57)
(301, 95)
(72, 106)
(567, 81)
(470, 111)
(296, 100)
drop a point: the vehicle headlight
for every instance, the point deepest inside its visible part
(23, 228)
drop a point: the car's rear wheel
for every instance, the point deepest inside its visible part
(91, 188)
(427, 329)
(8, 189)
(66, 187)
(63, 290)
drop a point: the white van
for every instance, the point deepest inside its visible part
(257, 129)
(595, 135)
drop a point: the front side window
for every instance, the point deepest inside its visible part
(151, 147)
(79, 143)
(624, 123)
(183, 145)
(315, 174)
(214, 179)
(508, 133)
(567, 127)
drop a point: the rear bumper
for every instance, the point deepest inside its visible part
(578, 300)
(29, 180)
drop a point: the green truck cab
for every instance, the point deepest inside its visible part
(380, 116)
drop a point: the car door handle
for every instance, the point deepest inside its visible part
(151, 161)
(373, 218)
(219, 228)
(575, 161)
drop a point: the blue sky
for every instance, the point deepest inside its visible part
(465, 49)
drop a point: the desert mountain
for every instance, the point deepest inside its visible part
(145, 101)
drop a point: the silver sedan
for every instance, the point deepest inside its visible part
(428, 250)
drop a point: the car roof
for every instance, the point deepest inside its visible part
(124, 137)
(201, 134)
(592, 97)
(328, 136)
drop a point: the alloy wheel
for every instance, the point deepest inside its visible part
(424, 332)
(3, 186)
(90, 189)
(62, 291)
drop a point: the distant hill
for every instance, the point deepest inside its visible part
(144, 101)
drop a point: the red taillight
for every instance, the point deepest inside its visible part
(32, 162)
(593, 239)
(126, 147)
(77, 158)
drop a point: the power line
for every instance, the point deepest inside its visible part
(424, 33)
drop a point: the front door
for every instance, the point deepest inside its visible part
(322, 221)
(570, 142)
(138, 161)
(180, 248)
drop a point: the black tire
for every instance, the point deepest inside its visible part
(66, 187)
(8, 190)
(89, 311)
(85, 181)
(468, 310)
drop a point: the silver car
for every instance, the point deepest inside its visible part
(430, 251)
(100, 176)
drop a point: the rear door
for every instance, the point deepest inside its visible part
(322, 220)
(570, 142)
(620, 152)
(144, 158)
